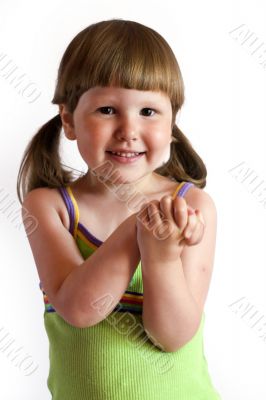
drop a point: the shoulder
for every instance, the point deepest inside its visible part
(42, 200)
(200, 199)
(196, 194)
(42, 195)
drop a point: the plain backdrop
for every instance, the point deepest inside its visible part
(216, 44)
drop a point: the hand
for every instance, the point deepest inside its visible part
(162, 232)
(191, 222)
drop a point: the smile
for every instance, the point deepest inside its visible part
(125, 157)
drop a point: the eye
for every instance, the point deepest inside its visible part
(105, 110)
(148, 109)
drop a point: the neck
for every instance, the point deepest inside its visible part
(113, 189)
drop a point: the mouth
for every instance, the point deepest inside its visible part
(126, 154)
(125, 157)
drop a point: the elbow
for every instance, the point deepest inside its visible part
(75, 320)
(69, 316)
(172, 348)
(74, 313)
(78, 314)
(79, 323)
(67, 312)
(172, 344)
(169, 347)
(79, 319)
(166, 347)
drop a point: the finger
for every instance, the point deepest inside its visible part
(191, 225)
(154, 214)
(142, 215)
(199, 229)
(165, 205)
(190, 210)
(196, 236)
(180, 212)
(165, 221)
(196, 226)
(200, 216)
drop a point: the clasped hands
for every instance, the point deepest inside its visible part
(164, 227)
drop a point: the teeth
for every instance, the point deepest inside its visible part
(128, 155)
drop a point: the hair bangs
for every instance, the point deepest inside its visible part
(124, 54)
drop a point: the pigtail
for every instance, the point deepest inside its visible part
(184, 163)
(40, 165)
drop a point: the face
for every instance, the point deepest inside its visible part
(122, 121)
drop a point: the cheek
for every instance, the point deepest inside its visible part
(92, 136)
(159, 139)
(89, 144)
(159, 143)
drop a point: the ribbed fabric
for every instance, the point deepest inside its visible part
(114, 359)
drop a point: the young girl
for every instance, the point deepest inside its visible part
(121, 328)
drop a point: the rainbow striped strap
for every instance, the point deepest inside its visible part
(182, 189)
(72, 209)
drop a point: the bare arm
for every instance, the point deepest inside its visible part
(100, 281)
(170, 314)
(175, 292)
(72, 284)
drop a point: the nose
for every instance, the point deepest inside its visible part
(126, 129)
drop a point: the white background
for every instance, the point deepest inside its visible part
(223, 117)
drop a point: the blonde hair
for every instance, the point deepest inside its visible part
(114, 52)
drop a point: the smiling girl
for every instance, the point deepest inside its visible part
(124, 282)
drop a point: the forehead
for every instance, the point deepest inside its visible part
(114, 93)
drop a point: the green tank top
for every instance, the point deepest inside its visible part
(115, 359)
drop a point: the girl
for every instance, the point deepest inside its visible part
(121, 328)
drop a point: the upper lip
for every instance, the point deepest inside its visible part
(126, 151)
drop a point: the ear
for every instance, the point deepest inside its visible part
(67, 122)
